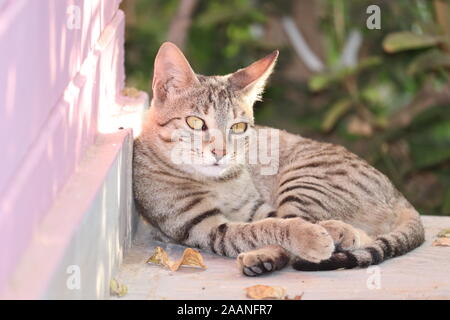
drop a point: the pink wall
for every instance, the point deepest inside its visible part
(57, 83)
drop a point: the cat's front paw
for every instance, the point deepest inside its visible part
(261, 261)
(309, 241)
(345, 236)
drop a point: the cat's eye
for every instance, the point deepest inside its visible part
(196, 123)
(239, 127)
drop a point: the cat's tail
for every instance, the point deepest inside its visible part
(408, 235)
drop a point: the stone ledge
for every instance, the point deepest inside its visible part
(420, 274)
(89, 226)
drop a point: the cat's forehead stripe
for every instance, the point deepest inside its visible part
(215, 93)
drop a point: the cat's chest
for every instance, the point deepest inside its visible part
(236, 197)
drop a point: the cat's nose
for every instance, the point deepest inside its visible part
(218, 154)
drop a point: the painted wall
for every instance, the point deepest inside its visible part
(61, 71)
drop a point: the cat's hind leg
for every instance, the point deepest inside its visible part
(345, 236)
(263, 260)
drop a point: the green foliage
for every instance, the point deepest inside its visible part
(429, 137)
(406, 40)
(334, 113)
(324, 80)
(430, 60)
(146, 29)
(400, 72)
(430, 146)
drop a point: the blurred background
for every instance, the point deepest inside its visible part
(379, 87)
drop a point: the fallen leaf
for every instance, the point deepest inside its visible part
(117, 288)
(299, 297)
(265, 292)
(160, 257)
(444, 233)
(190, 257)
(441, 242)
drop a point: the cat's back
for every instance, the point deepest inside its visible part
(304, 159)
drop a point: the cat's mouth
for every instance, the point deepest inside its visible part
(213, 170)
(221, 163)
(218, 166)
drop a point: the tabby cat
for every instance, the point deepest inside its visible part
(322, 209)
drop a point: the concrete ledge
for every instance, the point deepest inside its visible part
(420, 274)
(44, 140)
(81, 241)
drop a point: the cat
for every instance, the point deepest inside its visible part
(323, 209)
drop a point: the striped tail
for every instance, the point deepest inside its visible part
(408, 235)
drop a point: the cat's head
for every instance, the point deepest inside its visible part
(203, 121)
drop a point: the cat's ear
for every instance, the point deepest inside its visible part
(171, 71)
(252, 79)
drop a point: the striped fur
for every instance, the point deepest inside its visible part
(324, 209)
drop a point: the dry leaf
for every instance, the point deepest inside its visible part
(160, 257)
(190, 257)
(444, 233)
(265, 292)
(441, 242)
(299, 297)
(117, 288)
